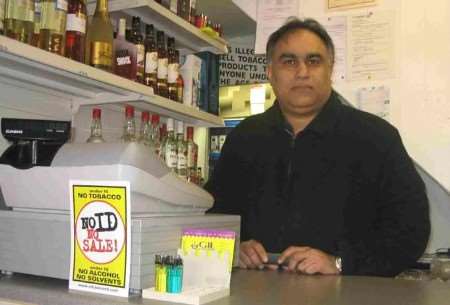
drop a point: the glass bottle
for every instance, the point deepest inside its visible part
(145, 130)
(192, 11)
(183, 9)
(181, 152)
(151, 57)
(129, 129)
(180, 82)
(2, 15)
(96, 127)
(192, 152)
(173, 70)
(155, 135)
(99, 39)
(138, 41)
(53, 25)
(19, 20)
(163, 137)
(37, 23)
(200, 180)
(76, 30)
(124, 54)
(170, 147)
(161, 86)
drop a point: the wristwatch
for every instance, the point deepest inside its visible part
(338, 262)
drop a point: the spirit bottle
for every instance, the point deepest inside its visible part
(19, 20)
(37, 23)
(2, 15)
(180, 82)
(96, 127)
(192, 152)
(170, 147)
(163, 138)
(181, 152)
(173, 70)
(151, 57)
(99, 39)
(192, 11)
(138, 41)
(155, 135)
(124, 54)
(145, 130)
(76, 30)
(129, 129)
(53, 25)
(161, 86)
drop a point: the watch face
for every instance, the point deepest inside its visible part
(339, 264)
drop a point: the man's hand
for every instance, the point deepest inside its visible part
(308, 260)
(252, 255)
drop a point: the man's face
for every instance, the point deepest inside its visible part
(300, 73)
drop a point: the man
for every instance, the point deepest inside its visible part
(329, 187)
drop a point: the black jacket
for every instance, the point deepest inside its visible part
(344, 185)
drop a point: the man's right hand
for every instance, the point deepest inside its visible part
(252, 255)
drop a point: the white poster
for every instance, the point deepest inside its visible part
(375, 100)
(270, 15)
(337, 29)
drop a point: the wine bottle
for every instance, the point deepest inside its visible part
(53, 25)
(76, 30)
(99, 39)
(19, 20)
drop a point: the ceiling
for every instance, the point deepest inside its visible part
(234, 21)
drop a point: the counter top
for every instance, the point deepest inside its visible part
(250, 288)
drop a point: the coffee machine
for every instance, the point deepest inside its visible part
(34, 142)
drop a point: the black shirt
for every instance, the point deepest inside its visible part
(344, 185)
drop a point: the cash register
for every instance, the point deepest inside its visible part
(34, 183)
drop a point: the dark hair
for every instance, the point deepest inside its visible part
(293, 24)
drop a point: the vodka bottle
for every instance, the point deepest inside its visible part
(163, 138)
(145, 130)
(96, 127)
(192, 152)
(181, 151)
(53, 25)
(76, 30)
(155, 135)
(99, 39)
(129, 129)
(170, 147)
(19, 20)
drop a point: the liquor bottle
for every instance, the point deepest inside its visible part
(192, 153)
(173, 6)
(37, 23)
(19, 20)
(170, 147)
(2, 15)
(163, 138)
(151, 57)
(180, 82)
(145, 130)
(183, 9)
(181, 152)
(129, 129)
(99, 39)
(76, 30)
(138, 41)
(161, 85)
(124, 54)
(155, 135)
(96, 127)
(192, 11)
(200, 180)
(173, 70)
(53, 25)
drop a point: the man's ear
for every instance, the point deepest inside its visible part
(269, 72)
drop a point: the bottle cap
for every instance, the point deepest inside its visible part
(190, 132)
(145, 116)
(129, 111)
(122, 27)
(155, 118)
(96, 113)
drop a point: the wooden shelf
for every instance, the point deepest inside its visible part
(151, 12)
(67, 81)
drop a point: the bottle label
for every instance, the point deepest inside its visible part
(172, 73)
(101, 54)
(76, 23)
(123, 60)
(162, 68)
(151, 62)
(61, 5)
(140, 60)
(171, 156)
(21, 10)
(181, 162)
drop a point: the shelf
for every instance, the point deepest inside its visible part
(67, 81)
(151, 12)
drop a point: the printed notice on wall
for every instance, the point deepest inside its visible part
(337, 28)
(344, 4)
(270, 15)
(371, 46)
(375, 100)
(242, 66)
(100, 236)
